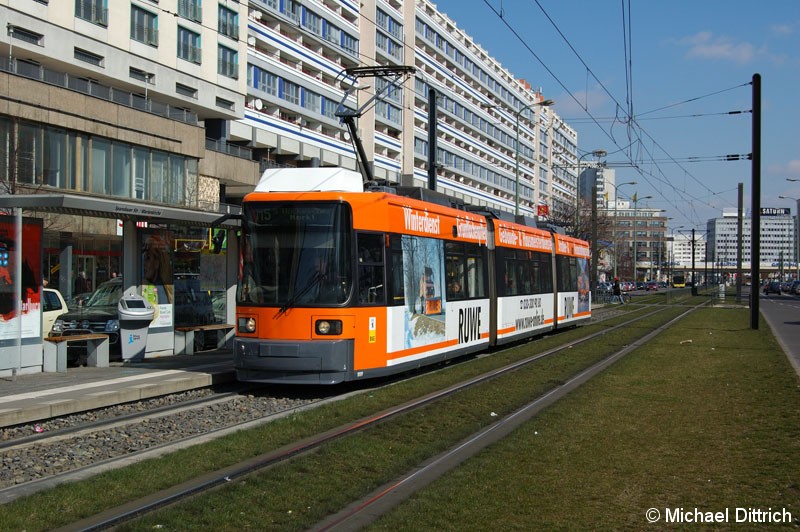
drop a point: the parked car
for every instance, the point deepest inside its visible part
(795, 289)
(98, 314)
(605, 287)
(53, 305)
(772, 287)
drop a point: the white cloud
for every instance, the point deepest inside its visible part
(793, 169)
(705, 45)
(781, 30)
(790, 169)
(593, 100)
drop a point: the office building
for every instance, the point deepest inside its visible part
(778, 240)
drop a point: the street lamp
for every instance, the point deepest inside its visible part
(796, 230)
(598, 154)
(543, 103)
(635, 257)
(614, 230)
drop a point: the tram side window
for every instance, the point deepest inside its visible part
(522, 274)
(545, 274)
(464, 271)
(510, 280)
(567, 274)
(370, 268)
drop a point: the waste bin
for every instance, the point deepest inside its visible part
(135, 315)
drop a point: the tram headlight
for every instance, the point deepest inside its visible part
(328, 327)
(247, 325)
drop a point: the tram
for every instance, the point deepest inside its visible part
(340, 284)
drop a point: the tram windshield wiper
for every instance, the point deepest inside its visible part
(292, 301)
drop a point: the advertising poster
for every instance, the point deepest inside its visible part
(423, 264)
(31, 317)
(157, 278)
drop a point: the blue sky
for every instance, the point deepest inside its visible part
(690, 63)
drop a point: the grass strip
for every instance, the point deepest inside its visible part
(705, 417)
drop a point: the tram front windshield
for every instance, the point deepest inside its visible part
(295, 254)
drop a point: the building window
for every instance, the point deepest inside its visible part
(144, 26)
(312, 102)
(95, 11)
(185, 90)
(329, 108)
(225, 104)
(350, 44)
(260, 79)
(190, 9)
(88, 57)
(25, 35)
(313, 22)
(291, 9)
(331, 33)
(189, 45)
(290, 92)
(140, 75)
(47, 156)
(227, 62)
(228, 23)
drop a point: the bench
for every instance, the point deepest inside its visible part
(55, 351)
(185, 336)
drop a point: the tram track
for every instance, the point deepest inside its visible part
(29, 464)
(214, 479)
(14, 438)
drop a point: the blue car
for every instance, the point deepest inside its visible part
(772, 287)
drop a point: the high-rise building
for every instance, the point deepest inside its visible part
(494, 143)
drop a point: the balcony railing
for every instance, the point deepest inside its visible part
(96, 89)
(231, 149)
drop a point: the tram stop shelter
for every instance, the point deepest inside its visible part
(192, 281)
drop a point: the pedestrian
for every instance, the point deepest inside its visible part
(82, 283)
(617, 292)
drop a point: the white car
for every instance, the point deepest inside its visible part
(53, 305)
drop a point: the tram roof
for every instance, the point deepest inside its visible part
(79, 205)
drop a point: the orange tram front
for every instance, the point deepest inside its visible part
(339, 286)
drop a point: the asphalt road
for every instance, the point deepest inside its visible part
(782, 313)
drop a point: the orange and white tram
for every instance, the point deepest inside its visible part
(341, 284)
